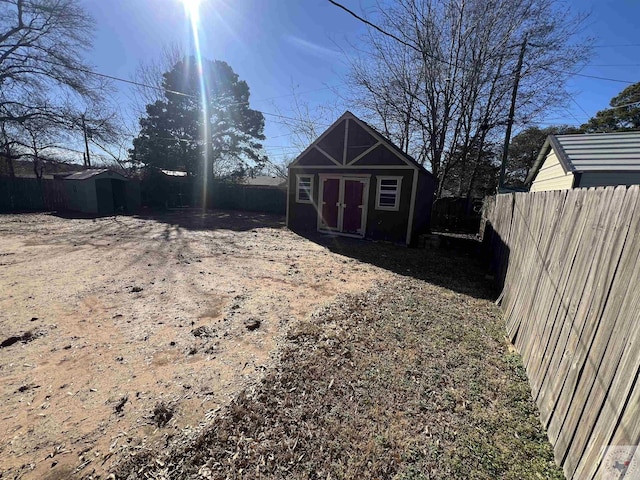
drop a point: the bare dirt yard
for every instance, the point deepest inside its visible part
(120, 332)
(224, 346)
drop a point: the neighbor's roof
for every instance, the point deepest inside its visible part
(264, 181)
(92, 172)
(174, 173)
(592, 152)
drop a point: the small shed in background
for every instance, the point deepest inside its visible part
(102, 192)
(586, 160)
(353, 181)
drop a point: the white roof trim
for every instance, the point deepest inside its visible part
(317, 140)
(350, 116)
(382, 140)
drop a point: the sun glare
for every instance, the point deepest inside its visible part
(192, 7)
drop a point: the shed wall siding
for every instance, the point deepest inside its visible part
(91, 199)
(424, 204)
(552, 176)
(82, 198)
(381, 224)
(605, 179)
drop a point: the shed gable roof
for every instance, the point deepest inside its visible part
(363, 129)
(592, 152)
(94, 172)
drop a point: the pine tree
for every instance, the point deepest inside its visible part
(173, 134)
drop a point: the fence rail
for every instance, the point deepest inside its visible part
(569, 265)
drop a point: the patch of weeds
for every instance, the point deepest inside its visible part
(405, 386)
(411, 473)
(162, 414)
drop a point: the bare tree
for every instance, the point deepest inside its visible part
(149, 77)
(304, 121)
(44, 81)
(41, 42)
(38, 137)
(438, 74)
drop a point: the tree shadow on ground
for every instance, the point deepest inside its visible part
(196, 219)
(456, 263)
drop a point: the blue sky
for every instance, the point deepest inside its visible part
(273, 44)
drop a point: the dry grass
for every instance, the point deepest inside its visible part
(409, 380)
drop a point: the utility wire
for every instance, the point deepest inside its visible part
(579, 106)
(407, 44)
(553, 70)
(384, 32)
(611, 65)
(618, 45)
(396, 38)
(131, 82)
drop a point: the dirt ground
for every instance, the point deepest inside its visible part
(119, 333)
(410, 380)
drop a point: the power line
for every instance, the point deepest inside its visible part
(407, 44)
(396, 38)
(131, 82)
(617, 46)
(588, 76)
(376, 27)
(104, 75)
(579, 106)
(611, 65)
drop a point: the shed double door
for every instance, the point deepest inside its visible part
(343, 204)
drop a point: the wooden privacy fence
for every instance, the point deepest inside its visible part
(569, 263)
(250, 198)
(30, 194)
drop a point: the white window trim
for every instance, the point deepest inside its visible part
(396, 207)
(310, 177)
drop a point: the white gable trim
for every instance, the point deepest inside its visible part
(346, 142)
(381, 140)
(355, 167)
(345, 116)
(350, 116)
(328, 156)
(367, 151)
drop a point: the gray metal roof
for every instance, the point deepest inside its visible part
(92, 172)
(592, 152)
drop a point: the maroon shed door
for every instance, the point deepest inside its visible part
(353, 200)
(330, 200)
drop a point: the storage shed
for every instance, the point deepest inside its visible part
(102, 192)
(353, 181)
(586, 160)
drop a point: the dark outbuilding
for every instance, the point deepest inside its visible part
(101, 191)
(353, 181)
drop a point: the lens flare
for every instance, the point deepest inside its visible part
(192, 10)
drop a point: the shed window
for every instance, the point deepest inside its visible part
(388, 194)
(304, 188)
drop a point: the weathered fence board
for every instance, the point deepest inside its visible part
(569, 265)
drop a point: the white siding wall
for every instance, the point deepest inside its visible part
(552, 176)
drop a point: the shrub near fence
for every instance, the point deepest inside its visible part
(569, 262)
